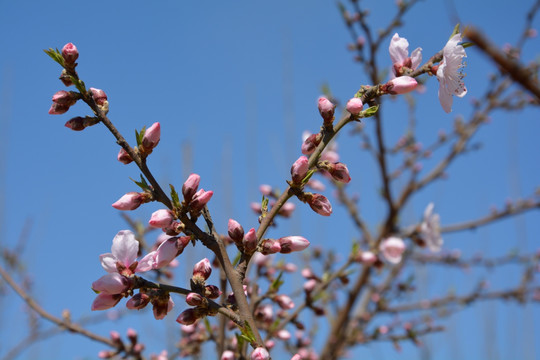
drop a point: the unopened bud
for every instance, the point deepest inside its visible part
(236, 231)
(354, 106)
(138, 301)
(129, 201)
(99, 96)
(250, 241)
(202, 269)
(311, 143)
(151, 137)
(124, 157)
(190, 186)
(270, 246)
(400, 85)
(200, 199)
(319, 203)
(65, 78)
(187, 317)
(326, 109)
(292, 243)
(194, 299)
(212, 291)
(161, 218)
(339, 172)
(70, 53)
(299, 169)
(260, 353)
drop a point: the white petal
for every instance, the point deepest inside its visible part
(416, 58)
(125, 247)
(108, 261)
(399, 49)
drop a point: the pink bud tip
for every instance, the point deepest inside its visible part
(70, 53)
(392, 249)
(129, 201)
(299, 169)
(250, 241)
(293, 243)
(354, 106)
(161, 218)
(202, 269)
(400, 85)
(124, 157)
(260, 353)
(340, 172)
(320, 204)
(236, 232)
(151, 136)
(99, 96)
(190, 186)
(311, 142)
(200, 199)
(326, 109)
(187, 317)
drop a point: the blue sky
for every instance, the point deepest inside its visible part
(234, 87)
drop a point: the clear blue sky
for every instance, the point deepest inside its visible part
(234, 86)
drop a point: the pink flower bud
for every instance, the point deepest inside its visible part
(190, 186)
(76, 124)
(368, 258)
(227, 355)
(151, 136)
(63, 97)
(65, 78)
(287, 209)
(129, 201)
(236, 231)
(400, 85)
(70, 53)
(392, 249)
(316, 185)
(292, 243)
(311, 143)
(124, 157)
(99, 96)
(115, 336)
(187, 317)
(138, 301)
(202, 269)
(309, 285)
(299, 169)
(270, 246)
(319, 203)
(112, 283)
(284, 302)
(256, 207)
(168, 250)
(340, 172)
(106, 301)
(326, 109)
(162, 306)
(250, 241)
(132, 335)
(354, 106)
(200, 199)
(194, 299)
(266, 190)
(296, 357)
(161, 218)
(283, 334)
(212, 291)
(58, 109)
(260, 353)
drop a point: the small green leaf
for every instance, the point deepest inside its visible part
(142, 184)
(247, 333)
(174, 196)
(308, 176)
(455, 31)
(208, 326)
(276, 284)
(369, 111)
(55, 55)
(237, 259)
(467, 44)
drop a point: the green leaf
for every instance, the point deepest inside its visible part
(455, 31)
(467, 44)
(142, 184)
(369, 111)
(55, 55)
(247, 333)
(174, 196)
(208, 326)
(276, 284)
(308, 176)
(237, 259)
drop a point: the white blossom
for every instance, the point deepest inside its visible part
(449, 75)
(430, 229)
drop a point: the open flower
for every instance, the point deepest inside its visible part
(448, 74)
(392, 248)
(399, 53)
(430, 229)
(123, 255)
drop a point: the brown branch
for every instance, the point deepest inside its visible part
(517, 71)
(62, 323)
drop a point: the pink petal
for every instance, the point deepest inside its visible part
(105, 301)
(108, 261)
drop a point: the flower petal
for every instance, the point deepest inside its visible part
(108, 261)
(125, 247)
